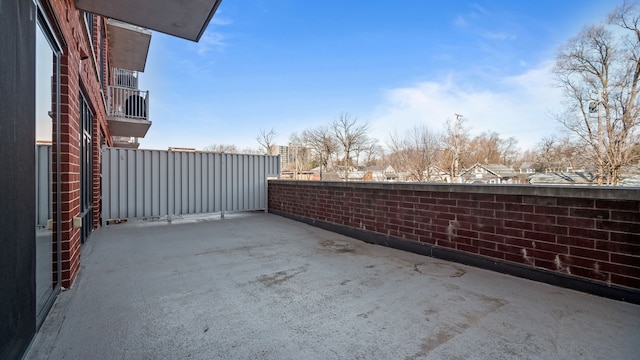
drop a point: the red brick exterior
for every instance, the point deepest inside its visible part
(591, 233)
(78, 73)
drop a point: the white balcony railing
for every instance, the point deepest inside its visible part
(124, 78)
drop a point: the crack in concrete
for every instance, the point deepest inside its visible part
(457, 270)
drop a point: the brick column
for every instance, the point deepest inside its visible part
(69, 165)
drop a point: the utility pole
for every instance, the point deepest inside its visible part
(456, 147)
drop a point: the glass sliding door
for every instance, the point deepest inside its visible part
(47, 110)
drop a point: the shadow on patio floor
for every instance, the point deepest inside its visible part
(258, 286)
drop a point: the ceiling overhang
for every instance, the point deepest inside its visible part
(128, 45)
(185, 19)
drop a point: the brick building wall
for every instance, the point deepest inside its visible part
(79, 67)
(582, 233)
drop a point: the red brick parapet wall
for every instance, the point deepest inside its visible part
(583, 233)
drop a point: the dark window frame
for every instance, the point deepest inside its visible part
(86, 168)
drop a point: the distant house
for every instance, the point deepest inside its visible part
(563, 178)
(631, 181)
(437, 174)
(353, 175)
(631, 176)
(380, 173)
(329, 176)
(344, 174)
(527, 168)
(490, 174)
(300, 175)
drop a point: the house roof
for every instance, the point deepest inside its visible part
(562, 178)
(631, 181)
(501, 170)
(387, 168)
(495, 169)
(438, 169)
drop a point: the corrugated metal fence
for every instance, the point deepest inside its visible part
(140, 183)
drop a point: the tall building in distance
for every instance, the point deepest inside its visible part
(292, 156)
(283, 151)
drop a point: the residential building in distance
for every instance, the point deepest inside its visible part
(283, 151)
(437, 174)
(292, 157)
(563, 178)
(380, 173)
(490, 174)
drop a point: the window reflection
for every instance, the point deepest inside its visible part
(46, 64)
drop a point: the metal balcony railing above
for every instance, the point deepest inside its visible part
(124, 78)
(127, 111)
(127, 108)
(125, 98)
(127, 102)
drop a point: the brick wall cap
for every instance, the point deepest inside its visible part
(596, 193)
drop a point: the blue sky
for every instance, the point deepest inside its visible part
(292, 65)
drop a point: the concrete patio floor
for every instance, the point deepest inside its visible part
(258, 286)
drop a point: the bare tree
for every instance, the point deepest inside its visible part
(323, 144)
(560, 154)
(635, 154)
(221, 148)
(370, 153)
(531, 158)
(509, 151)
(366, 151)
(547, 153)
(350, 135)
(416, 152)
(599, 72)
(490, 148)
(251, 151)
(455, 144)
(299, 154)
(266, 140)
(484, 149)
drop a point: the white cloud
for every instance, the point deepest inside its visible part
(516, 106)
(221, 21)
(476, 11)
(211, 41)
(498, 35)
(478, 8)
(460, 21)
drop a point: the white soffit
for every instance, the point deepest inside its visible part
(185, 19)
(128, 45)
